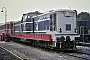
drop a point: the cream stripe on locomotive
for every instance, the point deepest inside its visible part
(35, 21)
(43, 20)
(26, 22)
(36, 31)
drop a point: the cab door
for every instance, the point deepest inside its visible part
(53, 24)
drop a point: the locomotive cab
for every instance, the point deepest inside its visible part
(63, 28)
(63, 22)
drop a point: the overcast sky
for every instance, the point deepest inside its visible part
(15, 8)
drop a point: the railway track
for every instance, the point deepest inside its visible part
(67, 52)
(6, 55)
(83, 53)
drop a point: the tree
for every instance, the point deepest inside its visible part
(83, 16)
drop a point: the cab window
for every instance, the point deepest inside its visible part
(68, 27)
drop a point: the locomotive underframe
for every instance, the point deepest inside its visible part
(49, 44)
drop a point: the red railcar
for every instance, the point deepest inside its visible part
(2, 31)
(5, 29)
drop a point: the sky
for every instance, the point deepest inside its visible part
(15, 8)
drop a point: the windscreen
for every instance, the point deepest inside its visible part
(68, 13)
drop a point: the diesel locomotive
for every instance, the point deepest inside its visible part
(52, 29)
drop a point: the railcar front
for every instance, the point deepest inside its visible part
(5, 29)
(2, 32)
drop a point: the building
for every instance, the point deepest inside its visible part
(83, 25)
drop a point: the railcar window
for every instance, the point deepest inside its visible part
(54, 18)
(28, 16)
(68, 13)
(2, 27)
(11, 26)
(54, 21)
(7, 26)
(36, 19)
(50, 19)
(51, 23)
(68, 27)
(48, 16)
(24, 17)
